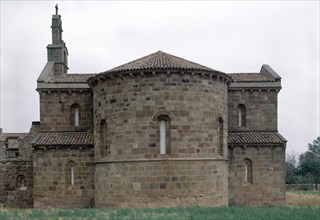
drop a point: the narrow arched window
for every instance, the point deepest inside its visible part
(70, 173)
(163, 138)
(75, 115)
(247, 171)
(220, 131)
(103, 138)
(241, 115)
(164, 134)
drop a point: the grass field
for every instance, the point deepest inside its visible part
(303, 198)
(300, 205)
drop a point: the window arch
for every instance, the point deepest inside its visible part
(220, 136)
(164, 134)
(75, 115)
(70, 173)
(241, 115)
(103, 138)
(247, 170)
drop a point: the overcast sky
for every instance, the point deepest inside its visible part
(227, 36)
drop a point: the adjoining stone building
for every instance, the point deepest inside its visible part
(156, 132)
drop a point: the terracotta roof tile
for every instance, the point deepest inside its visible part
(158, 61)
(250, 77)
(70, 78)
(255, 138)
(63, 139)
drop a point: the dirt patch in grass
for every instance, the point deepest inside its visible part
(303, 198)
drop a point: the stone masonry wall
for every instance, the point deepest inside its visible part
(130, 171)
(131, 107)
(161, 183)
(268, 176)
(261, 110)
(56, 110)
(52, 186)
(12, 194)
(16, 173)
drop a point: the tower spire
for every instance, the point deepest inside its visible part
(57, 51)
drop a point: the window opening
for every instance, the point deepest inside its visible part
(241, 115)
(164, 134)
(72, 175)
(220, 136)
(247, 171)
(103, 138)
(21, 182)
(75, 115)
(163, 137)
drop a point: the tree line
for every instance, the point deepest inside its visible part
(304, 168)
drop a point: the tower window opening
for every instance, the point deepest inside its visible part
(241, 115)
(75, 115)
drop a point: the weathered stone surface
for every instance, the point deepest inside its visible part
(164, 183)
(52, 184)
(131, 108)
(261, 110)
(268, 175)
(16, 170)
(56, 110)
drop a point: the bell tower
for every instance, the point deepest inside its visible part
(57, 51)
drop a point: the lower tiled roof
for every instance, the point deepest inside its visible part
(63, 139)
(70, 78)
(255, 138)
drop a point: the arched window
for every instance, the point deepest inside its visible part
(247, 171)
(21, 182)
(75, 115)
(220, 131)
(103, 138)
(70, 173)
(241, 115)
(164, 134)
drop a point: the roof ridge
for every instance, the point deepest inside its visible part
(160, 60)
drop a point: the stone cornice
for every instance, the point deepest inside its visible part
(255, 86)
(62, 86)
(93, 81)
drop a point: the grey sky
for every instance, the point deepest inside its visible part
(226, 36)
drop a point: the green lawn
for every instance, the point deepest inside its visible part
(232, 212)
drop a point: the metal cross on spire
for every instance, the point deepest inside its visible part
(57, 9)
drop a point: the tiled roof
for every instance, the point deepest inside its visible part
(255, 138)
(250, 77)
(71, 78)
(63, 139)
(161, 60)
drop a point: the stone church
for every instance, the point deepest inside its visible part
(159, 131)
